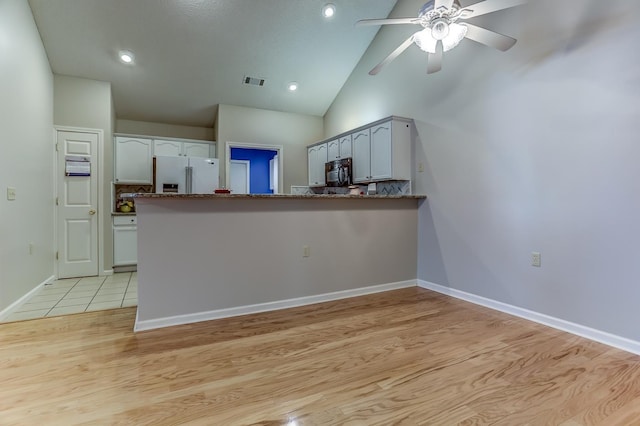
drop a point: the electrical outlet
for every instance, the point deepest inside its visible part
(535, 258)
(306, 251)
(11, 193)
(420, 167)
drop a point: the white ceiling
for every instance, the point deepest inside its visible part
(192, 55)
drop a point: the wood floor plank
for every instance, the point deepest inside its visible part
(405, 357)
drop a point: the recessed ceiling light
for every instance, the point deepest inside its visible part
(329, 10)
(126, 56)
(293, 86)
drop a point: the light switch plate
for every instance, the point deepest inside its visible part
(11, 193)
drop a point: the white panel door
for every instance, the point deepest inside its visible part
(381, 151)
(239, 176)
(77, 206)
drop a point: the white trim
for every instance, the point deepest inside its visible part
(18, 303)
(107, 272)
(278, 148)
(265, 307)
(557, 323)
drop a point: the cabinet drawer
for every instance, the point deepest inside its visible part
(125, 220)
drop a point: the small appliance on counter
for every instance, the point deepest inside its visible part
(338, 172)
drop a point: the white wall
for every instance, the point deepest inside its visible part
(79, 102)
(536, 149)
(26, 120)
(259, 126)
(202, 255)
(165, 130)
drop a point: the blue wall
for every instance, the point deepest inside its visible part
(259, 159)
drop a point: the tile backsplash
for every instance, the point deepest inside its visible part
(392, 187)
(120, 189)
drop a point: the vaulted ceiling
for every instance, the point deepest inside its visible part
(192, 55)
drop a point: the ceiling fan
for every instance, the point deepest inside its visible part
(442, 29)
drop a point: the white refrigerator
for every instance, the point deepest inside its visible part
(186, 175)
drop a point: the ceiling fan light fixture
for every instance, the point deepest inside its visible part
(126, 57)
(426, 40)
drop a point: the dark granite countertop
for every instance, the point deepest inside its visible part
(277, 196)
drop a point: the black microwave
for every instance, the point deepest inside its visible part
(338, 172)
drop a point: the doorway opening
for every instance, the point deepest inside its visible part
(259, 165)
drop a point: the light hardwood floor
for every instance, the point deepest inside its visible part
(403, 357)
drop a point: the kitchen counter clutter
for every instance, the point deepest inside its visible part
(208, 256)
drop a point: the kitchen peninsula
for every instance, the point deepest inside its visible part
(206, 256)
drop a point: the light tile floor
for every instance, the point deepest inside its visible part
(75, 295)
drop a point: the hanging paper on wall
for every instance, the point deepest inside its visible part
(77, 165)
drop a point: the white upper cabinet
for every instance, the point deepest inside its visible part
(338, 149)
(345, 146)
(167, 148)
(381, 152)
(175, 148)
(197, 149)
(333, 150)
(317, 157)
(132, 160)
(361, 155)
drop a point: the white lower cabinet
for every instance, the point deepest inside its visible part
(125, 240)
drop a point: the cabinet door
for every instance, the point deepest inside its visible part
(317, 157)
(195, 149)
(361, 156)
(320, 162)
(125, 245)
(312, 159)
(167, 148)
(345, 146)
(381, 151)
(333, 150)
(132, 160)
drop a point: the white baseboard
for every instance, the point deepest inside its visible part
(560, 324)
(264, 307)
(107, 272)
(15, 305)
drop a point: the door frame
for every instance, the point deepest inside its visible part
(248, 168)
(100, 197)
(278, 148)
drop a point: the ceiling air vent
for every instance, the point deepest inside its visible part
(253, 81)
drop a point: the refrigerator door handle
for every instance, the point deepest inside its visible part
(188, 179)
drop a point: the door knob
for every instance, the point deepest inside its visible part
(92, 212)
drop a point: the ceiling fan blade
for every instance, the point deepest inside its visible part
(443, 3)
(489, 38)
(489, 6)
(404, 46)
(391, 21)
(434, 63)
